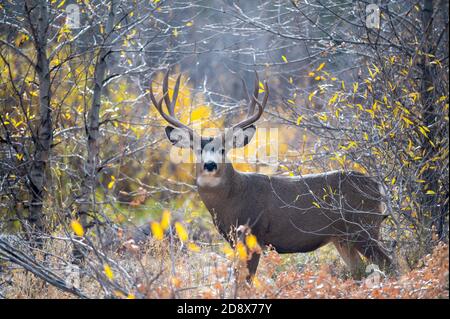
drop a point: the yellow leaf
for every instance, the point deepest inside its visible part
(431, 142)
(201, 112)
(310, 96)
(299, 119)
(393, 180)
(131, 296)
(108, 272)
(77, 228)
(61, 4)
(355, 87)
(372, 75)
(251, 242)
(228, 251)
(340, 159)
(423, 130)
(242, 251)
(407, 121)
(157, 230)
(323, 117)
(181, 232)
(320, 67)
(165, 220)
(371, 112)
(261, 87)
(193, 247)
(176, 282)
(377, 69)
(21, 39)
(366, 136)
(112, 182)
(414, 96)
(311, 74)
(175, 32)
(189, 24)
(337, 112)
(119, 294)
(316, 204)
(333, 98)
(441, 99)
(430, 192)
(256, 282)
(64, 31)
(284, 58)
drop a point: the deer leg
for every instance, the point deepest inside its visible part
(350, 256)
(252, 265)
(370, 249)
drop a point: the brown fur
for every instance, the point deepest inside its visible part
(281, 212)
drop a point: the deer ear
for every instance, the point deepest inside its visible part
(178, 137)
(241, 137)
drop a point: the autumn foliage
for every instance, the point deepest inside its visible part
(84, 160)
(208, 273)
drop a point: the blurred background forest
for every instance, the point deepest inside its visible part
(84, 161)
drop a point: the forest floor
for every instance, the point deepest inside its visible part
(203, 273)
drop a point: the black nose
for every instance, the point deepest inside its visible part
(210, 166)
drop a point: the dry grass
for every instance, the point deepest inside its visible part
(158, 269)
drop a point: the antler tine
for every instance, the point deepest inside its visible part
(266, 95)
(170, 106)
(251, 106)
(175, 95)
(152, 97)
(250, 120)
(254, 101)
(245, 90)
(166, 94)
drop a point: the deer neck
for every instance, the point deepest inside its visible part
(224, 200)
(219, 197)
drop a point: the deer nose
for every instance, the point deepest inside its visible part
(210, 166)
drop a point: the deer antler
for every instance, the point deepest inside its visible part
(169, 104)
(252, 117)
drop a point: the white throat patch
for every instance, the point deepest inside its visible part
(208, 180)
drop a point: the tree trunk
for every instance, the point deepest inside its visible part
(44, 133)
(430, 202)
(89, 184)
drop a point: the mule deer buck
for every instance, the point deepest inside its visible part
(291, 214)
